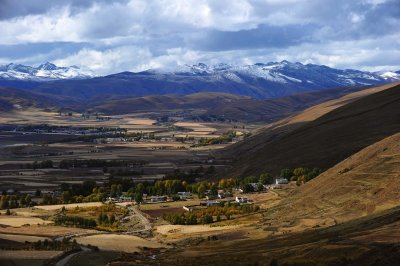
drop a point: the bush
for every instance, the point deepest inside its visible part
(75, 221)
(176, 198)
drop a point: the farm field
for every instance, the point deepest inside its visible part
(152, 150)
(49, 231)
(70, 206)
(113, 242)
(176, 204)
(171, 232)
(21, 238)
(20, 221)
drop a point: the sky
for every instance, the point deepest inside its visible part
(106, 36)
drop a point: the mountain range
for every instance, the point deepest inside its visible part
(44, 72)
(260, 81)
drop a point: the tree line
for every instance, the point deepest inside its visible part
(75, 221)
(210, 215)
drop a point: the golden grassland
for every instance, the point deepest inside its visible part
(46, 230)
(69, 206)
(17, 221)
(21, 238)
(116, 242)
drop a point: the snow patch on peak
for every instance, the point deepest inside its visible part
(44, 72)
(47, 66)
(390, 75)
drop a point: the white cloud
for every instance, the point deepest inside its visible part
(111, 60)
(35, 28)
(140, 34)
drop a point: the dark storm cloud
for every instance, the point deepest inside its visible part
(264, 36)
(25, 50)
(17, 8)
(382, 20)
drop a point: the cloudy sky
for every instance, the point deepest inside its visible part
(111, 36)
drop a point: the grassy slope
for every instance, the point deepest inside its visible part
(364, 183)
(342, 130)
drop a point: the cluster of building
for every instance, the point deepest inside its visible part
(257, 187)
(63, 130)
(211, 200)
(212, 203)
(152, 199)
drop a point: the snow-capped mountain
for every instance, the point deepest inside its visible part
(44, 72)
(260, 80)
(389, 74)
(287, 72)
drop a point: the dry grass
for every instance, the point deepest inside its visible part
(16, 221)
(113, 242)
(365, 183)
(21, 238)
(69, 206)
(183, 231)
(45, 231)
(166, 205)
(387, 234)
(316, 111)
(140, 121)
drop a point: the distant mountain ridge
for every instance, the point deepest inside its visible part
(44, 72)
(285, 72)
(260, 81)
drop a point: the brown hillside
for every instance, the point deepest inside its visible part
(350, 211)
(364, 183)
(353, 124)
(225, 105)
(11, 98)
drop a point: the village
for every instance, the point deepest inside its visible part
(167, 132)
(234, 195)
(125, 183)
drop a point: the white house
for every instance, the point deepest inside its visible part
(125, 199)
(158, 198)
(280, 181)
(185, 195)
(241, 199)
